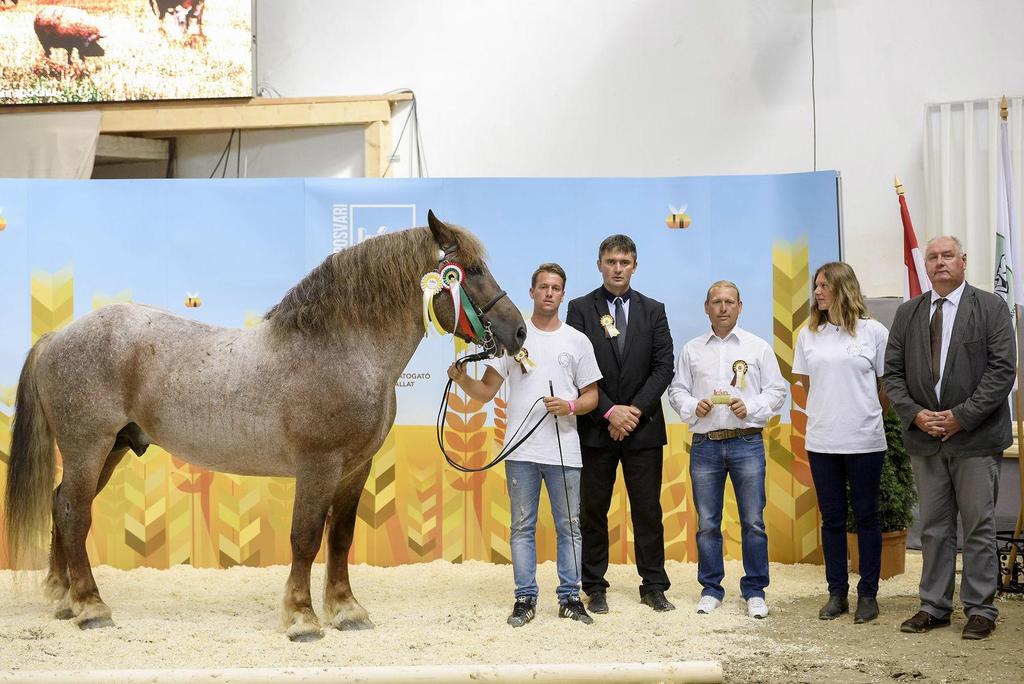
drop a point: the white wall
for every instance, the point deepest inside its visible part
(643, 88)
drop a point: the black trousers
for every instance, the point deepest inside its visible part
(641, 469)
(831, 473)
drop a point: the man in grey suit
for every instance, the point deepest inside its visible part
(949, 367)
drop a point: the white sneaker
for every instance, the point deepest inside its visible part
(757, 608)
(707, 605)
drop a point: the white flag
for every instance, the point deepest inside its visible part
(1009, 281)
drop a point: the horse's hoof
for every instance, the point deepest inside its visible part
(352, 625)
(304, 637)
(96, 623)
(63, 614)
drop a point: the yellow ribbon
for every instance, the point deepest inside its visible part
(431, 284)
(522, 357)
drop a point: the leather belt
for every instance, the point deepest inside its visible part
(717, 435)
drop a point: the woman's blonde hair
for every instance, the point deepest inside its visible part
(847, 302)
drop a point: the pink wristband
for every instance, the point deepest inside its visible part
(572, 406)
(609, 412)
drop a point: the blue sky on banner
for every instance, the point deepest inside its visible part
(525, 222)
(240, 244)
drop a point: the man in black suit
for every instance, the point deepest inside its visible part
(633, 347)
(949, 367)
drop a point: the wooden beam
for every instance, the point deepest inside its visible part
(165, 119)
(114, 149)
(377, 149)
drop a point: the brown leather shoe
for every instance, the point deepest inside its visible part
(923, 622)
(978, 627)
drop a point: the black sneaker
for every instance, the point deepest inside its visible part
(573, 608)
(523, 611)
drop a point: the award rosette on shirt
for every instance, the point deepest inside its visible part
(608, 323)
(739, 374)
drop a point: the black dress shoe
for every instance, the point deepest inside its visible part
(655, 598)
(978, 627)
(597, 603)
(923, 622)
(836, 606)
(867, 610)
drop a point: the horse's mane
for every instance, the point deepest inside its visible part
(368, 285)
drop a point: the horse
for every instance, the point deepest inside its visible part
(308, 393)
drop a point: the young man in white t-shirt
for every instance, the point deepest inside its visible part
(565, 365)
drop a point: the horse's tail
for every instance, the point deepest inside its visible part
(30, 472)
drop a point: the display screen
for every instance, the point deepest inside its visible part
(65, 51)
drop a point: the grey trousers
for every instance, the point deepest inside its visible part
(948, 484)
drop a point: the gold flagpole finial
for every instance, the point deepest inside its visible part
(1004, 108)
(899, 186)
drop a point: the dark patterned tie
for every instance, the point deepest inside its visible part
(620, 322)
(935, 330)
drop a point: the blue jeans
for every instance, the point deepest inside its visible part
(742, 459)
(523, 479)
(863, 471)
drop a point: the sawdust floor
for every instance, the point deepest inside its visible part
(439, 613)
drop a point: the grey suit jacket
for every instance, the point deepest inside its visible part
(977, 377)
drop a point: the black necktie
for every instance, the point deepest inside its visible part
(935, 331)
(620, 322)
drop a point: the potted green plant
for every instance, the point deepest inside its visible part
(896, 503)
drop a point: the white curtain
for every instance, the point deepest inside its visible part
(48, 144)
(961, 170)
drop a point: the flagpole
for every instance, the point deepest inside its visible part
(1012, 557)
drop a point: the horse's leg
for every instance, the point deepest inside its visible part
(313, 494)
(57, 583)
(340, 607)
(73, 517)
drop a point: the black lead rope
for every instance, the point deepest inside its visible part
(512, 446)
(505, 452)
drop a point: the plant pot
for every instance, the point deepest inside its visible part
(894, 553)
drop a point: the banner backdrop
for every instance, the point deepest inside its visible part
(225, 251)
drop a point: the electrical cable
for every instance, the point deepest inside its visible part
(414, 116)
(223, 155)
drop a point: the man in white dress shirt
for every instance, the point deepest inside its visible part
(727, 386)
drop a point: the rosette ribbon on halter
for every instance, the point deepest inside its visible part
(432, 285)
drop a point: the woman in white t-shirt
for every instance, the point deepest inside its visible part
(840, 359)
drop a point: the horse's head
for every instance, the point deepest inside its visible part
(497, 315)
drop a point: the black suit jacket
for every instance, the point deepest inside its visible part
(638, 376)
(976, 379)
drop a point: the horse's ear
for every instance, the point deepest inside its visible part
(443, 235)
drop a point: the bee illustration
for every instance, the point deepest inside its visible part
(3, 221)
(678, 218)
(193, 301)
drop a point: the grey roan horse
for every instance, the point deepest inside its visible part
(309, 393)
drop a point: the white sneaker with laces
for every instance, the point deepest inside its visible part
(757, 608)
(707, 605)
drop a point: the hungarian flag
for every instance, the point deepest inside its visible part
(915, 280)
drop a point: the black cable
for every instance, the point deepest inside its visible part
(814, 102)
(238, 155)
(172, 158)
(223, 155)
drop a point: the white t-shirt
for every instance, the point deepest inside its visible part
(565, 358)
(843, 413)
